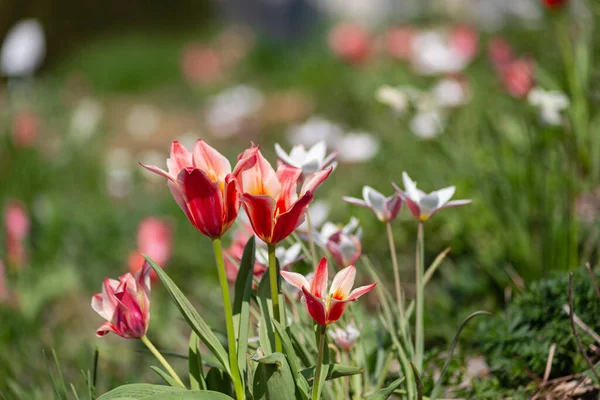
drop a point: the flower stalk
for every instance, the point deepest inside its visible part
(311, 241)
(317, 378)
(274, 292)
(161, 359)
(231, 340)
(399, 297)
(419, 330)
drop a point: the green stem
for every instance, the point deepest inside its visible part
(274, 292)
(317, 379)
(162, 360)
(311, 241)
(419, 339)
(399, 298)
(231, 340)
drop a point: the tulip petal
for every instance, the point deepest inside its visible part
(411, 188)
(260, 210)
(231, 207)
(104, 303)
(261, 179)
(209, 160)
(452, 204)
(180, 158)
(342, 283)
(285, 158)
(315, 180)
(295, 279)
(315, 307)
(159, 171)
(359, 291)
(317, 152)
(318, 286)
(445, 195)
(105, 328)
(336, 309)
(288, 178)
(204, 201)
(246, 160)
(355, 201)
(412, 205)
(375, 200)
(393, 204)
(286, 222)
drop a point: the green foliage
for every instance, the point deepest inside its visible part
(521, 337)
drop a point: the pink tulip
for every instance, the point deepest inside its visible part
(202, 65)
(500, 52)
(270, 199)
(154, 238)
(465, 40)
(25, 129)
(204, 186)
(398, 42)
(518, 77)
(16, 225)
(350, 42)
(125, 304)
(326, 308)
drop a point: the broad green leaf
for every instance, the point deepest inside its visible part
(166, 377)
(303, 387)
(386, 392)
(191, 395)
(196, 374)
(218, 381)
(288, 348)
(192, 317)
(138, 391)
(273, 379)
(438, 383)
(241, 304)
(266, 334)
(334, 371)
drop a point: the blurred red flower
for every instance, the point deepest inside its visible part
(350, 42)
(154, 238)
(25, 128)
(555, 3)
(16, 227)
(398, 42)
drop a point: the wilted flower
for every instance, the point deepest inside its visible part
(550, 104)
(423, 206)
(270, 199)
(309, 161)
(25, 128)
(350, 42)
(342, 242)
(385, 208)
(125, 304)
(204, 185)
(326, 308)
(345, 338)
(154, 238)
(16, 228)
(23, 49)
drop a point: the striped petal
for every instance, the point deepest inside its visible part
(204, 201)
(295, 279)
(260, 210)
(315, 180)
(288, 221)
(288, 178)
(318, 286)
(342, 283)
(180, 158)
(315, 307)
(209, 160)
(359, 291)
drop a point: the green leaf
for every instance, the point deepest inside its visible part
(138, 391)
(191, 316)
(191, 395)
(266, 334)
(438, 383)
(273, 379)
(386, 392)
(241, 304)
(166, 377)
(334, 371)
(288, 348)
(418, 381)
(218, 381)
(303, 387)
(196, 374)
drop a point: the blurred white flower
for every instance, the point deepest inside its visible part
(314, 130)
(318, 211)
(329, 229)
(345, 338)
(450, 93)
(550, 103)
(309, 161)
(119, 176)
(427, 124)
(23, 49)
(433, 53)
(228, 109)
(286, 257)
(394, 97)
(357, 147)
(85, 118)
(143, 120)
(370, 12)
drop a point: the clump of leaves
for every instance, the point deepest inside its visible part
(517, 342)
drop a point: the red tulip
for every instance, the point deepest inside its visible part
(350, 42)
(153, 239)
(398, 42)
(326, 308)
(16, 224)
(270, 199)
(553, 4)
(125, 304)
(518, 77)
(204, 186)
(465, 40)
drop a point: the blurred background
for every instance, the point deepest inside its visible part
(480, 94)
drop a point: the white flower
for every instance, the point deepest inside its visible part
(119, 176)
(85, 118)
(229, 108)
(23, 49)
(422, 205)
(433, 54)
(357, 147)
(309, 161)
(345, 338)
(329, 229)
(314, 130)
(393, 97)
(550, 104)
(143, 120)
(286, 257)
(428, 124)
(450, 93)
